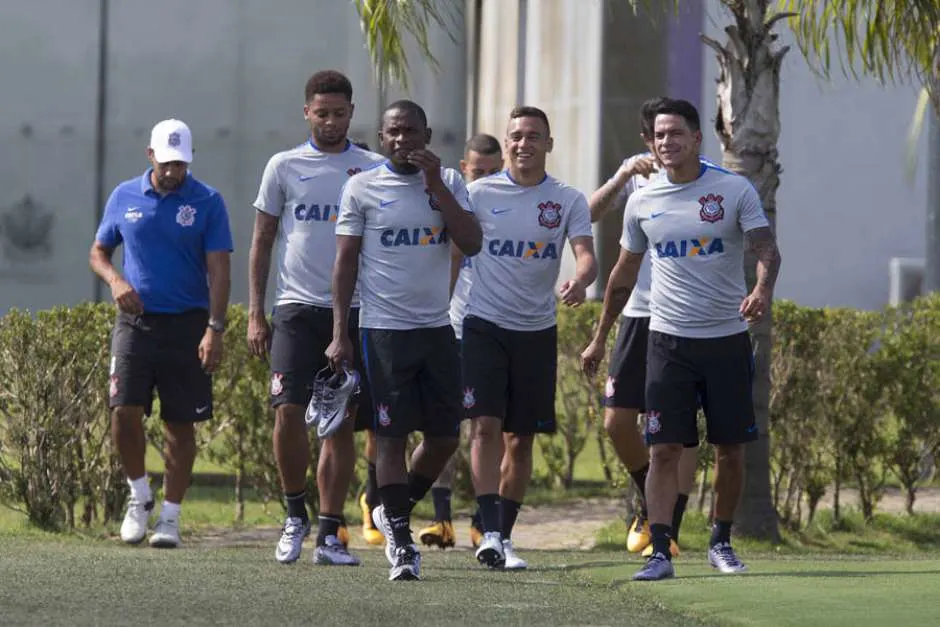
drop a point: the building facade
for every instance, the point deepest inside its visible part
(81, 102)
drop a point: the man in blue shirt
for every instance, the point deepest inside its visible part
(172, 300)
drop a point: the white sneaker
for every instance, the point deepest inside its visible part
(292, 540)
(407, 566)
(723, 557)
(513, 561)
(380, 520)
(136, 521)
(490, 553)
(166, 533)
(333, 553)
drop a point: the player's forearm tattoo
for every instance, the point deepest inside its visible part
(764, 246)
(259, 262)
(620, 284)
(614, 301)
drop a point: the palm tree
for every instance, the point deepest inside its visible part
(748, 120)
(889, 40)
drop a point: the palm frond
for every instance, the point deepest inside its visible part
(388, 25)
(889, 40)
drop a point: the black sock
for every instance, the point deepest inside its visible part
(639, 477)
(721, 532)
(677, 513)
(397, 511)
(661, 537)
(418, 486)
(508, 511)
(328, 525)
(476, 521)
(297, 505)
(489, 512)
(441, 498)
(372, 488)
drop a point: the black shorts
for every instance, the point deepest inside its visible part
(510, 375)
(680, 372)
(161, 351)
(626, 375)
(415, 380)
(301, 336)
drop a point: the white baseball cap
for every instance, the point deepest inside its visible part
(171, 140)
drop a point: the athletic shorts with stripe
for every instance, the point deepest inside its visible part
(301, 335)
(626, 374)
(414, 375)
(510, 375)
(681, 371)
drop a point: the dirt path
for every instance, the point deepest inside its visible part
(570, 526)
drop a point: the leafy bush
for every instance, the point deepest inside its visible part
(55, 445)
(855, 398)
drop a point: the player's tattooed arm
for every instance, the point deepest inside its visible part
(602, 200)
(763, 244)
(620, 284)
(259, 260)
(259, 264)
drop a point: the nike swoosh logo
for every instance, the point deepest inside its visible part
(386, 203)
(305, 178)
(496, 212)
(202, 410)
(656, 215)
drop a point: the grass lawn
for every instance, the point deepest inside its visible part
(54, 581)
(807, 590)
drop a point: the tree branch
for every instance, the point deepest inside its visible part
(772, 21)
(713, 44)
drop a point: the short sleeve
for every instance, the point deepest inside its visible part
(750, 210)
(579, 221)
(218, 237)
(351, 220)
(459, 190)
(270, 198)
(109, 231)
(633, 239)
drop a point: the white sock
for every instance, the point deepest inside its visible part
(170, 511)
(140, 489)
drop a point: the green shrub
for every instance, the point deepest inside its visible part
(855, 398)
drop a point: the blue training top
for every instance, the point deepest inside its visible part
(166, 239)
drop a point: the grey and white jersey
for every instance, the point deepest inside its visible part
(694, 233)
(301, 187)
(524, 233)
(404, 263)
(461, 296)
(638, 306)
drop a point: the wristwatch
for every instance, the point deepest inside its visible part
(216, 325)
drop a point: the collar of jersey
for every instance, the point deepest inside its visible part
(313, 145)
(146, 188)
(515, 182)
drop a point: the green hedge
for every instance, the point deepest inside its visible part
(854, 399)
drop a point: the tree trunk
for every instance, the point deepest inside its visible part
(240, 477)
(837, 494)
(748, 126)
(910, 496)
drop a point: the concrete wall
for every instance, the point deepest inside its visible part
(235, 71)
(845, 206)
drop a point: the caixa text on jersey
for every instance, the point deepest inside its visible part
(417, 236)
